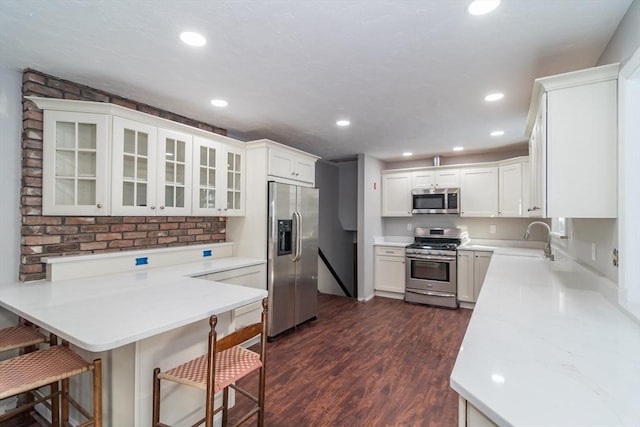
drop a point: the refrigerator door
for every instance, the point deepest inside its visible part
(306, 301)
(281, 268)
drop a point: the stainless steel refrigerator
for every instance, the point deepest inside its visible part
(292, 260)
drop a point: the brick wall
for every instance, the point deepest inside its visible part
(58, 235)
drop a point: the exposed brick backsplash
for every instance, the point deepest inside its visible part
(45, 236)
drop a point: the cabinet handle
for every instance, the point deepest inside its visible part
(99, 205)
(529, 210)
(152, 207)
(293, 174)
(161, 207)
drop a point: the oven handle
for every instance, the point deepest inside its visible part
(430, 294)
(431, 257)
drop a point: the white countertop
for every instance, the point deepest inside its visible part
(108, 311)
(545, 348)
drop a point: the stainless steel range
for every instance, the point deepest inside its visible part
(430, 276)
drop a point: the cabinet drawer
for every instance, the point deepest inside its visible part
(389, 251)
(247, 314)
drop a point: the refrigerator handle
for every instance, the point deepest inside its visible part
(297, 221)
(294, 238)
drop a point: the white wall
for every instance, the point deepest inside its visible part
(478, 228)
(10, 130)
(369, 220)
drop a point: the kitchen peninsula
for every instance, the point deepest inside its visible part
(139, 319)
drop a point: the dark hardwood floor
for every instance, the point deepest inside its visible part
(379, 363)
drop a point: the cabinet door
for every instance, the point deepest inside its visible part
(465, 276)
(396, 194)
(448, 178)
(479, 192)
(305, 170)
(582, 151)
(234, 181)
(75, 164)
(174, 176)
(537, 163)
(134, 168)
(281, 164)
(207, 188)
(423, 179)
(389, 274)
(480, 266)
(510, 190)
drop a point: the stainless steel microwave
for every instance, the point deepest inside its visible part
(435, 200)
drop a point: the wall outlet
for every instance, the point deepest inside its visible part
(409, 227)
(492, 229)
(593, 251)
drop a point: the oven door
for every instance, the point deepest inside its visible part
(431, 273)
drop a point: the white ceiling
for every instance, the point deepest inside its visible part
(410, 75)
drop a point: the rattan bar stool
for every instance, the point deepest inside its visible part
(21, 336)
(40, 368)
(230, 362)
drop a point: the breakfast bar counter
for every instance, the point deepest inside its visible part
(546, 347)
(138, 320)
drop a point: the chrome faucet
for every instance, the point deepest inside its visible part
(547, 249)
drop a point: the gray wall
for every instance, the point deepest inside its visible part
(335, 242)
(348, 195)
(625, 40)
(10, 128)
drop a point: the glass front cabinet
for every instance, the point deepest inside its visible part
(218, 174)
(102, 159)
(76, 164)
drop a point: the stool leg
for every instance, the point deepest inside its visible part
(97, 393)
(225, 406)
(64, 406)
(156, 398)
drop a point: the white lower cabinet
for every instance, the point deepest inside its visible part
(389, 271)
(472, 269)
(253, 277)
(470, 416)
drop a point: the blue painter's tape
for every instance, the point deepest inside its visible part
(207, 253)
(142, 261)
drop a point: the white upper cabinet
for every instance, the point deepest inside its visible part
(173, 194)
(289, 165)
(479, 191)
(435, 178)
(103, 159)
(572, 129)
(513, 182)
(396, 194)
(218, 177)
(134, 168)
(75, 164)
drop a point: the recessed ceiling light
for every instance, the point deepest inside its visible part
(494, 97)
(192, 39)
(343, 123)
(482, 7)
(458, 148)
(219, 103)
(407, 154)
(497, 133)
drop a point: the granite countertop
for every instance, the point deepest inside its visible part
(105, 312)
(544, 347)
